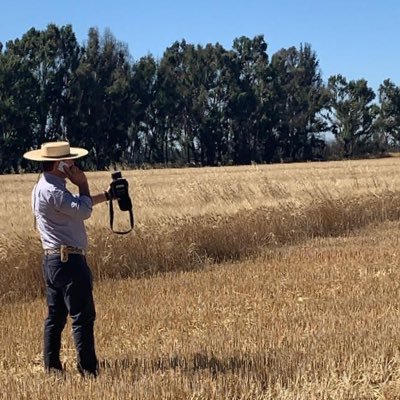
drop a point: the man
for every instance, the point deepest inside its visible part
(60, 219)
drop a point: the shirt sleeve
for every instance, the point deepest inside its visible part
(79, 207)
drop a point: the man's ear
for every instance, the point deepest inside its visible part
(49, 166)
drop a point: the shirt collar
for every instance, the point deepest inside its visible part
(55, 180)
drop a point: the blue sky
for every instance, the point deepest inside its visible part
(357, 38)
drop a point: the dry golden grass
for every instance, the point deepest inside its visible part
(265, 282)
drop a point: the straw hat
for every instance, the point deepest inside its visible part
(55, 151)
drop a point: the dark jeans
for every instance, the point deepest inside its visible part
(69, 291)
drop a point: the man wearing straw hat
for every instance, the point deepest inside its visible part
(60, 219)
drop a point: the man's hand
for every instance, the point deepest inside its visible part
(111, 193)
(76, 176)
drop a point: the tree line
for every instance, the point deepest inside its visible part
(196, 105)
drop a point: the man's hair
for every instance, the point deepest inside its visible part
(47, 166)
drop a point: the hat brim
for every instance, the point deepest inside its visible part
(74, 152)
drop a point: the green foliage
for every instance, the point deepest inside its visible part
(353, 114)
(103, 99)
(300, 98)
(389, 116)
(197, 104)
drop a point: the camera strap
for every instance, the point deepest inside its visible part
(112, 219)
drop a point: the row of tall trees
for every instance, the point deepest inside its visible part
(196, 104)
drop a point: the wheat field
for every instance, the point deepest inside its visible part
(256, 282)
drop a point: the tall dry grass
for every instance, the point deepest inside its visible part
(188, 219)
(276, 282)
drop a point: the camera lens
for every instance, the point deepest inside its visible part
(116, 175)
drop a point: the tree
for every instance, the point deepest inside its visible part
(102, 99)
(301, 97)
(389, 115)
(36, 76)
(352, 113)
(174, 101)
(143, 127)
(18, 109)
(211, 104)
(249, 70)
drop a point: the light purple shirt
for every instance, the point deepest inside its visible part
(59, 213)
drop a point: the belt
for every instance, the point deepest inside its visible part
(64, 251)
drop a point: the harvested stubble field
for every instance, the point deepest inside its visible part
(258, 282)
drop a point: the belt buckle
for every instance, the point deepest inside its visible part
(64, 253)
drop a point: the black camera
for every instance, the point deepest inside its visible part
(119, 188)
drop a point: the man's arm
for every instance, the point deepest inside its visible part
(84, 189)
(99, 198)
(78, 177)
(75, 206)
